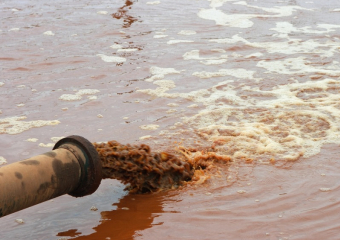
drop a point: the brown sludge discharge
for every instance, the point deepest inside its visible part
(143, 170)
(147, 171)
(252, 86)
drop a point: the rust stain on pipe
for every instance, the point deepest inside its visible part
(24, 184)
(73, 167)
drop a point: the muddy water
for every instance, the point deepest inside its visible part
(254, 81)
(143, 170)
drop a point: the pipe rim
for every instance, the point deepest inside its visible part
(92, 176)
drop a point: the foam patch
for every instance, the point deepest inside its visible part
(111, 59)
(239, 73)
(186, 32)
(179, 41)
(15, 125)
(78, 95)
(149, 127)
(2, 161)
(49, 33)
(127, 50)
(160, 36)
(244, 20)
(153, 3)
(32, 140)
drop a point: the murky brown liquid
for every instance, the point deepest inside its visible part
(143, 170)
(253, 84)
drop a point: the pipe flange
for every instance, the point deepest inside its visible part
(91, 167)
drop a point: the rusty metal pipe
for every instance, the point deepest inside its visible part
(73, 167)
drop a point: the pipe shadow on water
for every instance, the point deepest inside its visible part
(135, 212)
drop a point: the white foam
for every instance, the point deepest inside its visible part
(286, 122)
(280, 11)
(171, 111)
(159, 73)
(93, 208)
(192, 55)
(32, 139)
(14, 29)
(165, 83)
(15, 125)
(214, 61)
(297, 65)
(154, 77)
(87, 91)
(160, 36)
(48, 145)
(92, 97)
(218, 50)
(19, 220)
(179, 41)
(149, 127)
(163, 71)
(220, 18)
(56, 139)
(127, 50)
(329, 27)
(238, 72)
(49, 33)
(219, 3)
(287, 28)
(325, 189)
(78, 95)
(164, 86)
(145, 137)
(252, 134)
(116, 46)
(70, 97)
(172, 104)
(111, 59)
(195, 55)
(2, 160)
(163, 132)
(193, 106)
(186, 32)
(234, 39)
(153, 3)
(290, 46)
(102, 12)
(243, 20)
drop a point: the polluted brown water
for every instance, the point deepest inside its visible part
(245, 92)
(143, 170)
(147, 171)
